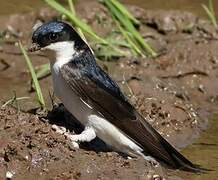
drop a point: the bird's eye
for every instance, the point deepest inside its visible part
(53, 37)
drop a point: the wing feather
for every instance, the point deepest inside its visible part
(109, 101)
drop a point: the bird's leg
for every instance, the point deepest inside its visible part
(86, 136)
(59, 129)
(62, 130)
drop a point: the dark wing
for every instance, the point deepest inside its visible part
(97, 89)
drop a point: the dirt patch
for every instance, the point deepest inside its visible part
(176, 92)
(30, 148)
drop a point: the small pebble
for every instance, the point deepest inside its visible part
(156, 177)
(9, 175)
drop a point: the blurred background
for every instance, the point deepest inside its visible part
(15, 6)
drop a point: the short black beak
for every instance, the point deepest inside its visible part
(34, 47)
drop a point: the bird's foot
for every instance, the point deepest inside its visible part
(73, 141)
(86, 136)
(59, 129)
(68, 135)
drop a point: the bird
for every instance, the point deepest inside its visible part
(97, 101)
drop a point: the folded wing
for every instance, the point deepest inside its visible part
(97, 89)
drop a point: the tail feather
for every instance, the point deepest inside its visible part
(178, 160)
(156, 146)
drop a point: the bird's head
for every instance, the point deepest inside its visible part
(57, 38)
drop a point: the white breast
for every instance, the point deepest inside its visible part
(71, 101)
(59, 54)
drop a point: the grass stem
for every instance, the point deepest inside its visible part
(210, 13)
(34, 77)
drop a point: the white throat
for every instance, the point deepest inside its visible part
(60, 53)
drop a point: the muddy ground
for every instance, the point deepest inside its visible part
(176, 92)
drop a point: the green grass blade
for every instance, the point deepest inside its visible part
(210, 13)
(83, 26)
(43, 71)
(136, 51)
(122, 9)
(71, 6)
(126, 23)
(34, 77)
(11, 101)
(210, 7)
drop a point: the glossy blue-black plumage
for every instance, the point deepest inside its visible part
(54, 26)
(88, 68)
(56, 31)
